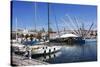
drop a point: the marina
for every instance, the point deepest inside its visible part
(52, 37)
(69, 53)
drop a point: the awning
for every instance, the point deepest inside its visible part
(68, 35)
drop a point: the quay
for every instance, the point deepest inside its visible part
(17, 60)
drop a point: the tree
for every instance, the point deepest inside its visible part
(26, 36)
(39, 36)
(22, 35)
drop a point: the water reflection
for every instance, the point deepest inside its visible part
(49, 56)
(72, 53)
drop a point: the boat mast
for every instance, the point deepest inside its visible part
(57, 24)
(16, 28)
(48, 23)
(35, 15)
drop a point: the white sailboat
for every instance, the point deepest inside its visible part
(44, 49)
(16, 44)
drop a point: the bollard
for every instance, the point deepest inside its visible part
(29, 54)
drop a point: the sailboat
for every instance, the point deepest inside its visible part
(35, 40)
(45, 49)
(16, 44)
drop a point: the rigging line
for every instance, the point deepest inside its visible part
(71, 21)
(56, 22)
(65, 20)
(83, 30)
(79, 29)
(67, 25)
(89, 29)
(75, 25)
(75, 32)
(76, 22)
(85, 33)
(57, 26)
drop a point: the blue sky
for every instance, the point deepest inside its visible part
(25, 14)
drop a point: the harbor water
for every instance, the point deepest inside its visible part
(72, 53)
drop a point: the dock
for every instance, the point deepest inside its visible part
(18, 60)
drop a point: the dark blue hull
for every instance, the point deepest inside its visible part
(69, 41)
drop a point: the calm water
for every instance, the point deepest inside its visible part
(73, 53)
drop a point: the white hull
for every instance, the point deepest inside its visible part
(45, 49)
(36, 49)
(18, 47)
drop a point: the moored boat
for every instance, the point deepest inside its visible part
(35, 49)
(16, 47)
(43, 49)
(68, 38)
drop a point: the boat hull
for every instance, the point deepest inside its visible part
(46, 50)
(68, 40)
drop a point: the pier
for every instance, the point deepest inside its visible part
(18, 60)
